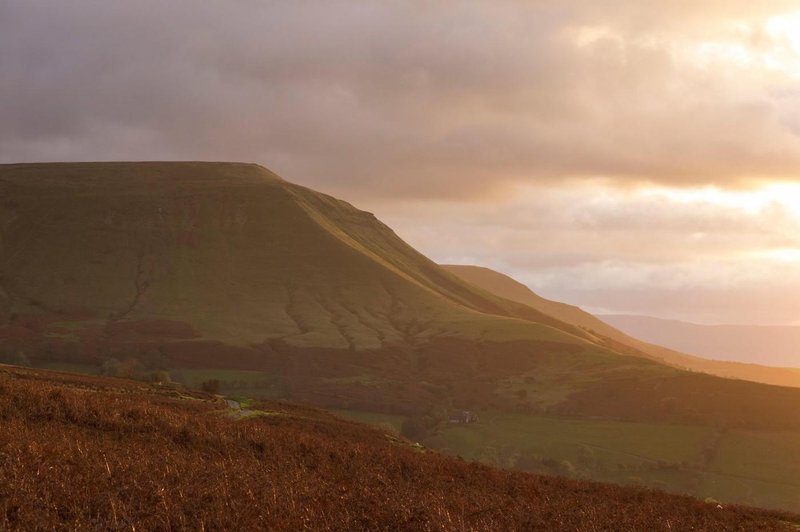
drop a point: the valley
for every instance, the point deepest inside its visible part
(154, 456)
(758, 468)
(227, 278)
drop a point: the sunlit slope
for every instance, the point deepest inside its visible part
(235, 253)
(508, 288)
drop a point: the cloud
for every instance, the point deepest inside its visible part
(695, 254)
(410, 98)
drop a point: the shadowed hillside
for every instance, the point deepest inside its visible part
(149, 458)
(508, 288)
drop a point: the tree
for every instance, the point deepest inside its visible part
(210, 386)
(131, 368)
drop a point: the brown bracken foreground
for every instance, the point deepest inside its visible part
(96, 453)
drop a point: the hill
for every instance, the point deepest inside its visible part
(724, 342)
(87, 452)
(229, 252)
(226, 277)
(762, 344)
(132, 267)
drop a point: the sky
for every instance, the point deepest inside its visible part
(628, 156)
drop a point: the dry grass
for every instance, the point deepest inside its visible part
(91, 453)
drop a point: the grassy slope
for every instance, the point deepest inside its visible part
(85, 452)
(508, 288)
(235, 251)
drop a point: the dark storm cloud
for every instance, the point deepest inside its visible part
(378, 98)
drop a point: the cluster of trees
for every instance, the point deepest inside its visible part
(150, 366)
(132, 368)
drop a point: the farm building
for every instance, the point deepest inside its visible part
(462, 416)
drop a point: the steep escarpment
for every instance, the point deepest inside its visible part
(237, 253)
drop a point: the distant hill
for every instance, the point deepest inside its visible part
(99, 453)
(506, 287)
(649, 339)
(769, 345)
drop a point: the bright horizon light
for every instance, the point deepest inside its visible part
(771, 45)
(751, 201)
(786, 29)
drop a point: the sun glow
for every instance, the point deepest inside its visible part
(771, 46)
(784, 53)
(786, 28)
(782, 255)
(778, 203)
(788, 196)
(752, 201)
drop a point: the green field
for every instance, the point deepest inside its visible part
(757, 467)
(612, 443)
(750, 467)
